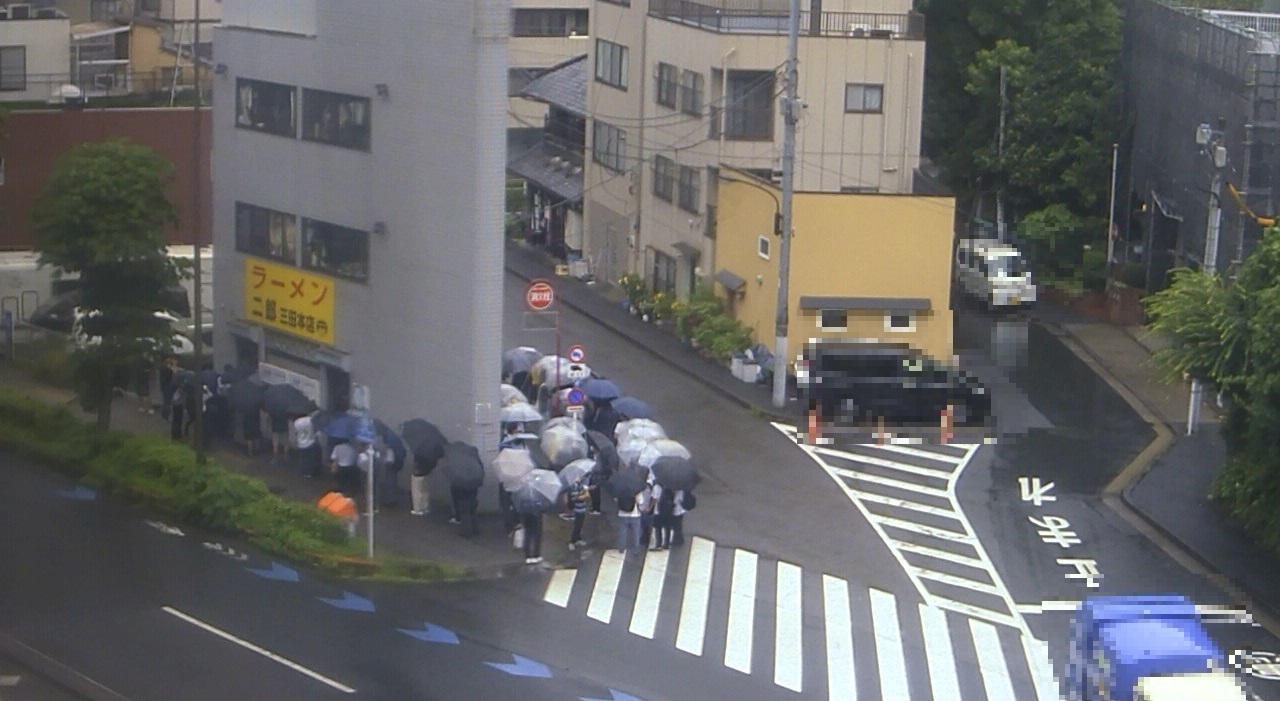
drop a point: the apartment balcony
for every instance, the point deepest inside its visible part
(768, 17)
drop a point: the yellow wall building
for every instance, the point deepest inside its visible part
(863, 266)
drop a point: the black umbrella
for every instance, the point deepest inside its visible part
(236, 374)
(389, 438)
(675, 473)
(210, 378)
(423, 439)
(284, 401)
(519, 360)
(245, 396)
(462, 466)
(626, 482)
(605, 453)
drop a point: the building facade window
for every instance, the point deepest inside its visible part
(337, 250)
(900, 321)
(864, 97)
(692, 87)
(612, 62)
(268, 107)
(266, 233)
(531, 22)
(666, 93)
(13, 68)
(624, 3)
(664, 178)
(691, 189)
(609, 146)
(664, 273)
(750, 105)
(336, 119)
(833, 320)
(762, 247)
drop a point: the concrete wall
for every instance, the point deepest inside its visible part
(424, 333)
(846, 245)
(37, 138)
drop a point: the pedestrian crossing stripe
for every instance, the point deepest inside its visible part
(977, 670)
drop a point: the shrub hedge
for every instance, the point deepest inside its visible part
(156, 473)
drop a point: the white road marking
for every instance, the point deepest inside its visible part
(943, 679)
(842, 681)
(923, 529)
(991, 661)
(697, 593)
(261, 651)
(1047, 606)
(955, 581)
(742, 609)
(644, 618)
(889, 653)
(1037, 654)
(938, 472)
(560, 587)
(890, 482)
(937, 554)
(606, 588)
(788, 638)
(905, 504)
(919, 453)
(9, 680)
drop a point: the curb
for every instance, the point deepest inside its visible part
(1117, 494)
(56, 672)
(614, 328)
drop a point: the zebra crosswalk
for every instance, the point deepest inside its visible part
(812, 634)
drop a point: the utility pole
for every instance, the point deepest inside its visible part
(1210, 143)
(1000, 225)
(790, 115)
(1111, 208)
(198, 281)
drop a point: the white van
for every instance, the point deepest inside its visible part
(993, 272)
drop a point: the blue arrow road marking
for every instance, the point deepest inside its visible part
(614, 695)
(350, 602)
(432, 633)
(79, 493)
(278, 572)
(523, 667)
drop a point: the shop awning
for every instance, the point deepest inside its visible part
(546, 167)
(731, 281)
(897, 304)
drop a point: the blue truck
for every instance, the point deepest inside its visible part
(1146, 648)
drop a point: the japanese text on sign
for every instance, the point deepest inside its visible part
(289, 300)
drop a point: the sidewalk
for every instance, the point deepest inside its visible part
(1167, 484)
(429, 537)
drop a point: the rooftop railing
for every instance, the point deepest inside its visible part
(762, 17)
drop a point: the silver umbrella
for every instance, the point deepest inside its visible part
(512, 465)
(567, 422)
(519, 413)
(563, 445)
(577, 471)
(645, 429)
(511, 395)
(629, 452)
(661, 448)
(519, 360)
(537, 492)
(544, 370)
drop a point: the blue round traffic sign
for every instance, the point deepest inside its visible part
(577, 397)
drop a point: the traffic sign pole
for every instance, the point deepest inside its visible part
(539, 296)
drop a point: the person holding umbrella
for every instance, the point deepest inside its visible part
(537, 493)
(426, 443)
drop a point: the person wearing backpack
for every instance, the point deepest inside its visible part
(577, 502)
(685, 501)
(629, 522)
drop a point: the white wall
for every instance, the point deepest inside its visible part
(290, 16)
(48, 43)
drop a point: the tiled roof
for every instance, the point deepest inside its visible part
(537, 166)
(564, 86)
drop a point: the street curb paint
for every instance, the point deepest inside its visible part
(56, 672)
(1117, 494)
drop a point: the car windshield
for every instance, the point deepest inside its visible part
(1008, 266)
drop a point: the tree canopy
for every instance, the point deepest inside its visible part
(103, 215)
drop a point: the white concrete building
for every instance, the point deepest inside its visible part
(681, 86)
(358, 169)
(35, 52)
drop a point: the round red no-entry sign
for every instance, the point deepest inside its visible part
(539, 295)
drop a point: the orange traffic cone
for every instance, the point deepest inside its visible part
(342, 506)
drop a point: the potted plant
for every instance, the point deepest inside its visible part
(636, 290)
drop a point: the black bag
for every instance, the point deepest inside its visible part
(689, 501)
(667, 503)
(626, 503)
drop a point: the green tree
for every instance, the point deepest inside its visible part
(1227, 335)
(103, 215)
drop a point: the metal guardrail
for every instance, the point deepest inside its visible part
(766, 18)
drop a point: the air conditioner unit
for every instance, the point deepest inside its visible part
(776, 176)
(106, 81)
(20, 11)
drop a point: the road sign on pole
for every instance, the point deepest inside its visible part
(576, 397)
(575, 412)
(539, 295)
(577, 354)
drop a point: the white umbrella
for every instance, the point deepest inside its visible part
(661, 448)
(629, 452)
(545, 482)
(512, 395)
(568, 422)
(537, 492)
(646, 429)
(512, 465)
(522, 412)
(544, 370)
(576, 471)
(563, 445)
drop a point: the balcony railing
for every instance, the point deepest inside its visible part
(728, 17)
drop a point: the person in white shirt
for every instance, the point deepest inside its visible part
(305, 447)
(342, 463)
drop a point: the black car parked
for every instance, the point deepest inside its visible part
(850, 383)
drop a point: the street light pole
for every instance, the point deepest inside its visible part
(790, 108)
(1209, 140)
(198, 278)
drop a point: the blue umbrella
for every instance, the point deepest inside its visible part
(632, 408)
(601, 389)
(392, 441)
(342, 427)
(365, 431)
